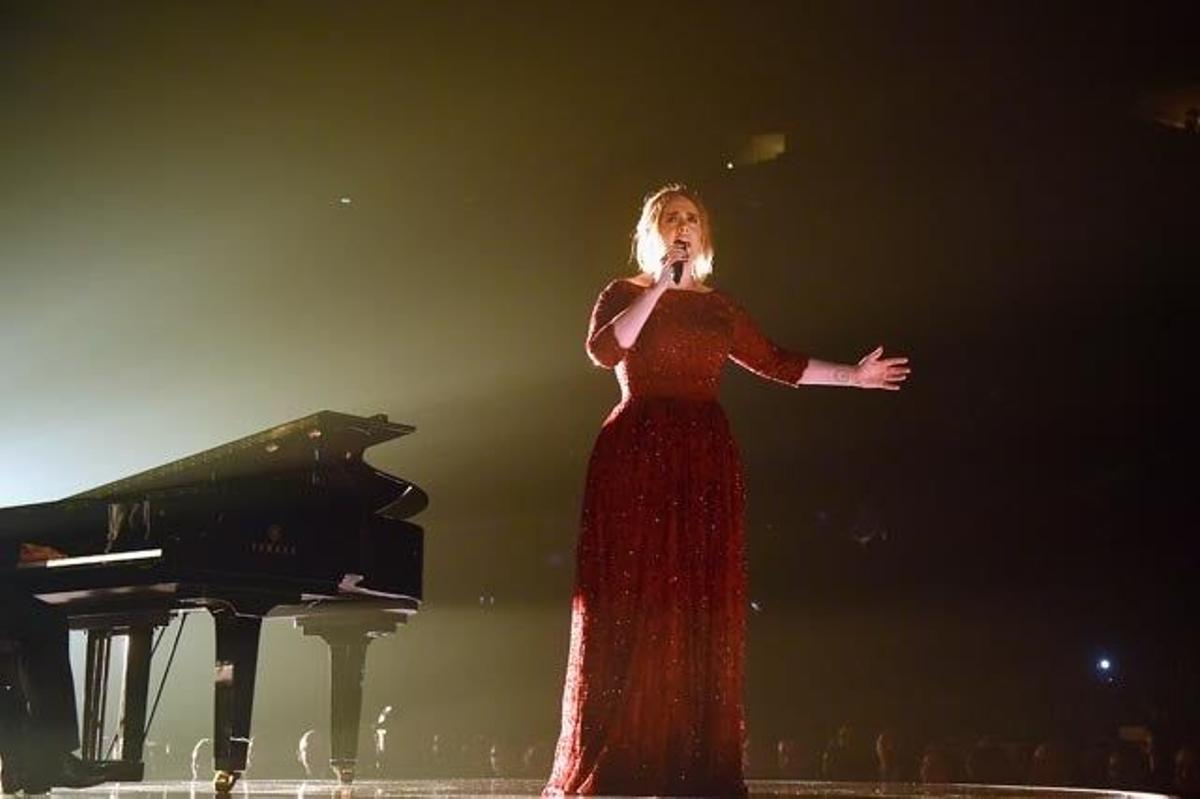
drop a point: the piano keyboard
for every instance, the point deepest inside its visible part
(93, 560)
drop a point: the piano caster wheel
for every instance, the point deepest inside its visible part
(224, 781)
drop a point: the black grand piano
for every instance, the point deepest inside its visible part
(287, 522)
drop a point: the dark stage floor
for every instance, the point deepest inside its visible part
(531, 788)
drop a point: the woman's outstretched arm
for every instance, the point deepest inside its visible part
(756, 352)
(873, 371)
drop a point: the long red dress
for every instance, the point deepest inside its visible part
(653, 696)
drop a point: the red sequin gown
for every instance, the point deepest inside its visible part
(653, 695)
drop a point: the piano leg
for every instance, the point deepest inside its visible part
(347, 662)
(13, 718)
(347, 633)
(236, 664)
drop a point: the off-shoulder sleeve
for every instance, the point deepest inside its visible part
(602, 345)
(757, 353)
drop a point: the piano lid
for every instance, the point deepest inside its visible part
(325, 437)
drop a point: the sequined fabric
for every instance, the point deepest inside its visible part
(653, 695)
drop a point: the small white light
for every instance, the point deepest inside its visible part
(729, 165)
(344, 200)
(1105, 664)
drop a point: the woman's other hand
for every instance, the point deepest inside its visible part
(875, 371)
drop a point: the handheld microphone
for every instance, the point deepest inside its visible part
(677, 267)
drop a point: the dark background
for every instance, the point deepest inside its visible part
(981, 186)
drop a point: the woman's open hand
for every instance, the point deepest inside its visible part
(875, 371)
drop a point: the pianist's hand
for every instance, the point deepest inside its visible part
(36, 553)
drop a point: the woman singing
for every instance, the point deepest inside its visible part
(653, 696)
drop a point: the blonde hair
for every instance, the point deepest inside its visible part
(648, 246)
